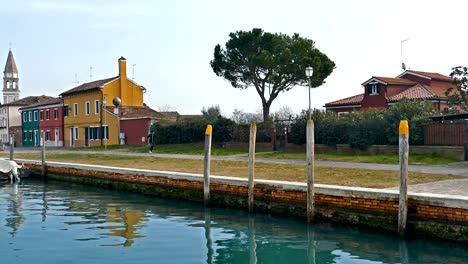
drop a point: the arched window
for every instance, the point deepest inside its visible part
(8, 84)
(14, 85)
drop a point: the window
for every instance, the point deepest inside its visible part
(87, 108)
(342, 113)
(93, 133)
(96, 107)
(47, 114)
(47, 135)
(75, 109)
(35, 115)
(24, 117)
(76, 132)
(55, 113)
(65, 110)
(30, 116)
(104, 132)
(41, 115)
(30, 135)
(8, 85)
(373, 88)
(14, 85)
(25, 135)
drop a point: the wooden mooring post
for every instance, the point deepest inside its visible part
(43, 155)
(403, 153)
(206, 165)
(12, 146)
(310, 170)
(253, 136)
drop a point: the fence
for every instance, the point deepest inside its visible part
(446, 134)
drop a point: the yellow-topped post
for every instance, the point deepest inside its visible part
(206, 164)
(253, 136)
(403, 153)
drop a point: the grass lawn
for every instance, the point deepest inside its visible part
(284, 172)
(414, 159)
(191, 149)
(197, 149)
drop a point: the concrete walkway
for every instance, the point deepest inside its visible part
(453, 187)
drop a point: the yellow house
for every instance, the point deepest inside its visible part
(90, 116)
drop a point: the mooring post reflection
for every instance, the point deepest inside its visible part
(311, 243)
(402, 247)
(252, 241)
(209, 241)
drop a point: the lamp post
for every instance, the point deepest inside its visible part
(309, 71)
(104, 134)
(310, 156)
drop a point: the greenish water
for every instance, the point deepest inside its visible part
(62, 223)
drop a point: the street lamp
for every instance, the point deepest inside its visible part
(309, 71)
(104, 134)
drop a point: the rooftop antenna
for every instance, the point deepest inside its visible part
(9, 43)
(403, 66)
(133, 71)
(90, 73)
(76, 79)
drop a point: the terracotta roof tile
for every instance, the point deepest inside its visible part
(418, 91)
(50, 101)
(132, 112)
(390, 80)
(28, 100)
(347, 101)
(88, 86)
(433, 75)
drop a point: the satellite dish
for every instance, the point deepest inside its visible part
(403, 66)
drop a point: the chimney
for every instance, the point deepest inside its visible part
(123, 80)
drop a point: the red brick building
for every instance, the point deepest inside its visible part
(382, 92)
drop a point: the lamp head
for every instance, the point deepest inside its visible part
(309, 71)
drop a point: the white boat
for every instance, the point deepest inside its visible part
(10, 170)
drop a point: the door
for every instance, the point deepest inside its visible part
(86, 136)
(72, 136)
(56, 136)
(36, 138)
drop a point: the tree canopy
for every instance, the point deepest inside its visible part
(458, 97)
(272, 63)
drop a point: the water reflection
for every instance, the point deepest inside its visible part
(13, 198)
(178, 231)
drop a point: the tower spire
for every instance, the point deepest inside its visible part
(11, 91)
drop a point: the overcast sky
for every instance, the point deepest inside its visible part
(171, 44)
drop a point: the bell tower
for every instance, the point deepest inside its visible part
(11, 91)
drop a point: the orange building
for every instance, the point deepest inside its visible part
(91, 110)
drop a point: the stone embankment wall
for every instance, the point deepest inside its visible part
(439, 216)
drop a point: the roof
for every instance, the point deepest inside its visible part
(356, 99)
(191, 116)
(391, 80)
(89, 86)
(45, 102)
(418, 91)
(28, 100)
(431, 75)
(461, 116)
(135, 112)
(10, 65)
(171, 114)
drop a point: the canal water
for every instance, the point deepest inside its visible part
(64, 223)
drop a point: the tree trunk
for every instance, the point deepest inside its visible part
(266, 112)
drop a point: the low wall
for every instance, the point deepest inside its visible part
(456, 152)
(440, 216)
